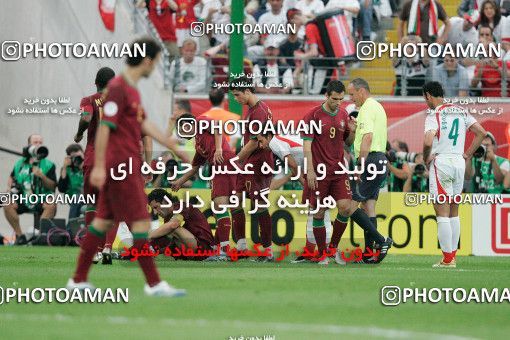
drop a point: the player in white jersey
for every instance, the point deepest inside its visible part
(291, 147)
(445, 134)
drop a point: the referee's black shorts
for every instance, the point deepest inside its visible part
(369, 189)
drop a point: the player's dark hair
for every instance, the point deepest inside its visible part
(183, 118)
(241, 84)
(159, 194)
(266, 130)
(216, 96)
(434, 88)
(359, 83)
(73, 148)
(403, 146)
(103, 76)
(184, 104)
(335, 86)
(150, 46)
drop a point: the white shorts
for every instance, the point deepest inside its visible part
(446, 175)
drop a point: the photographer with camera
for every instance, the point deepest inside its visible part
(486, 170)
(398, 154)
(71, 177)
(418, 176)
(171, 165)
(32, 174)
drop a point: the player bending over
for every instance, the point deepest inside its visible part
(118, 142)
(243, 91)
(443, 152)
(213, 149)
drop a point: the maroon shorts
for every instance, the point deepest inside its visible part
(338, 187)
(123, 200)
(223, 185)
(87, 188)
(252, 184)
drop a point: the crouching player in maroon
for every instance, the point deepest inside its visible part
(122, 197)
(214, 149)
(327, 148)
(185, 231)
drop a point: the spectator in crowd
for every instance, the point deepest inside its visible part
(293, 42)
(414, 10)
(31, 174)
(463, 29)
(268, 75)
(314, 51)
(467, 6)
(490, 16)
(410, 72)
(505, 7)
(485, 169)
(184, 17)
(276, 16)
(351, 9)
(220, 65)
(71, 177)
(399, 168)
(417, 177)
(190, 71)
(489, 73)
(181, 106)
(365, 19)
(161, 14)
(217, 12)
(484, 37)
(453, 76)
(310, 8)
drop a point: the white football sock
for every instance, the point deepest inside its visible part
(455, 225)
(444, 234)
(241, 244)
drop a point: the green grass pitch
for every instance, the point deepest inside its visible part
(287, 301)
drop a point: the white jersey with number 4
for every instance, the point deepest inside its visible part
(451, 123)
(284, 145)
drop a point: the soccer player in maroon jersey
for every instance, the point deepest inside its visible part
(212, 148)
(243, 91)
(117, 143)
(188, 229)
(91, 108)
(327, 148)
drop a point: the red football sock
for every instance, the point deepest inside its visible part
(338, 230)
(239, 223)
(146, 262)
(90, 214)
(266, 231)
(320, 238)
(447, 257)
(223, 229)
(454, 253)
(110, 236)
(92, 240)
(310, 246)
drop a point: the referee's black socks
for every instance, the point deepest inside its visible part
(371, 233)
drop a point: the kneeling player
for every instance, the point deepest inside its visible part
(212, 148)
(186, 230)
